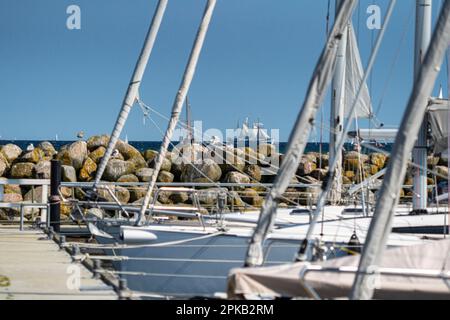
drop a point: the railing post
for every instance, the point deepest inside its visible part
(22, 214)
(44, 200)
(2, 190)
(55, 201)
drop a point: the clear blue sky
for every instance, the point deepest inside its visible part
(257, 61)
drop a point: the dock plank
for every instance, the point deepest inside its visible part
(33, 267)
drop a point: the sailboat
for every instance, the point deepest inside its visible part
(194, 258)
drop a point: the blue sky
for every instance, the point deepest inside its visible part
(257, 61)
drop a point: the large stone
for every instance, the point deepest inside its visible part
(74, 154)
(166, 164)
(88, 169)
(11, 152)
(97, 154)
(306, 167)
(237, 177)
(42, 170)
(442, 173)
(164, 197)
(12, 197)
(128, 178)
(254, 172)
(144, 174)
(378, 159)
(33, 156)
(319, 174)
(68, 174)
(233, 160)
(117, 168)
(235, 200)
(121, 193)
(22, 170)
(149, 154)
(128, 151)
(95, 142)
(208, 196)
(179, 197)
(3, 167)
(165, 177)
(13, 188)
(205, 172)
(47, 148)
(251, 197)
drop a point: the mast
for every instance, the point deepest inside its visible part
(133, 87)
(298, 139)
(337, 113)
(381, 224)
(178, 103)
(188, 121)
(422, 41)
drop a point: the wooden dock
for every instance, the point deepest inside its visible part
(32, 267)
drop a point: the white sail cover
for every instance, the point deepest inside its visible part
(354, 74)
(286, 280)
(438, 118)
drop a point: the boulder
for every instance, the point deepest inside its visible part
(68, 174)
(128, 178)
(165, 176)
(144, 174)
(235, 200)
(88, 169)
(121, 193)
(3, 167)
(208, 196)
(164, 197)
(254, 172)
(12, 197)
(179, 197)
(33, 156)
(136, 193)
(74, 154)
(236, 177)
(48, 149)
(117, 168)
(166, 164)
(353, 160)
(319, 174)
(442, 172)
(128, 151)
(11, 152)
(177, 170)
(205, 172)
(232, 160)
(42, 170)
(97, 154)
(306, 167)
(95, 142)
(251, 197)
(378, 159)
(22, 170)
(150, 154)
(12, 188)
(323, 161)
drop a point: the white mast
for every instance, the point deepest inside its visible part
(178, 103)
(337, 112)
(133, 87)
(299, 136)
(381, 224)
(422, 41)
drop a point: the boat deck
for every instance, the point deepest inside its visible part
(34, 267)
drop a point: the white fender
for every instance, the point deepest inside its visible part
(136, 235)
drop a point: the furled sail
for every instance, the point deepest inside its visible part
(354, 75)
(438, 118)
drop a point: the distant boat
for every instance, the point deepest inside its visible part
(126, 138)
(246, 136)
(30, 147)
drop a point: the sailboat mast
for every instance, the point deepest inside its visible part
(133, 87)
(422, 41)
(337, 114)
(188, 121)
